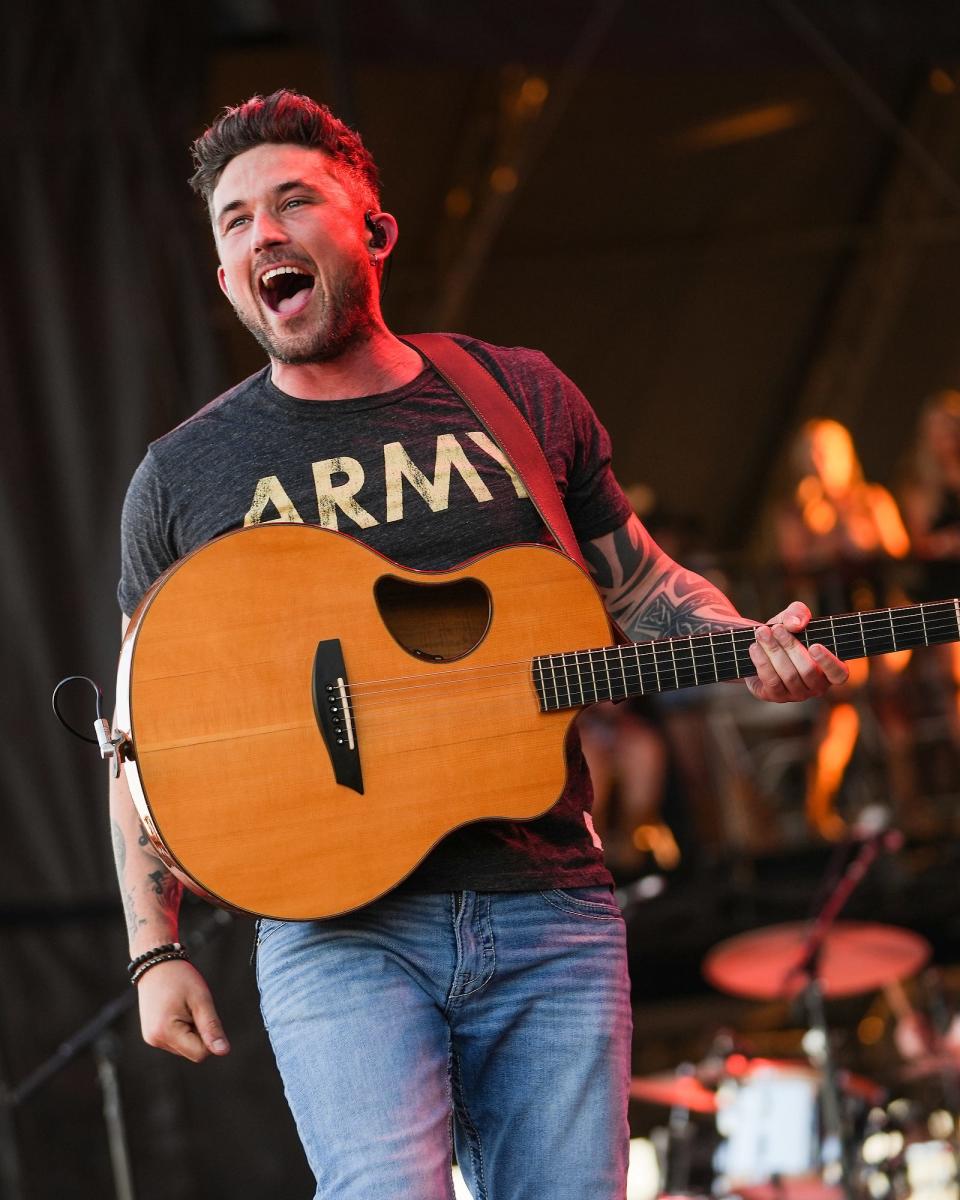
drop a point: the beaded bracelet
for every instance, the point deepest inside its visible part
(144, 967)
(142, 958)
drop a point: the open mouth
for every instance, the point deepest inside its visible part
(286, 290)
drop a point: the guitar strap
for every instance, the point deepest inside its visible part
(504, 422)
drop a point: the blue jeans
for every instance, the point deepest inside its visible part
(504, 1015)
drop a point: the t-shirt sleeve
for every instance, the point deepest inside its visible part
(573, 439)
(594, 500)
(146, 544)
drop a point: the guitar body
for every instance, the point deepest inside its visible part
(233, 776)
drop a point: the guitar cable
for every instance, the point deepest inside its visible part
(111, 745)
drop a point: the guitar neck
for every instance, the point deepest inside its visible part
(582, 677)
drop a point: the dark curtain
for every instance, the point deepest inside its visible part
(105, 342)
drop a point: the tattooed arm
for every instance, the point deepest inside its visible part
(176, 1009)
(150, 894)
(652, 596)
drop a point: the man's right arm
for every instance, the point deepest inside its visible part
(177, 1012)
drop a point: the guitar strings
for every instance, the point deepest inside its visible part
(502, 685)
(631, 670)
(563, 693)
(661, 649)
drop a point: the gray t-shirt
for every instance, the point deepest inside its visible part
(411, 473)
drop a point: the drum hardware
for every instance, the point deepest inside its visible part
(810, 961)
(767, 1114)
(807, 1129)
(907, 1151)
(678, 1165)
(676, 1144)
(765, 1140)
(932, 1157)
(854, 957)
(949, 1072)
(770, 1116)
(675, 1089)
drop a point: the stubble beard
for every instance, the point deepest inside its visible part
(345, 321)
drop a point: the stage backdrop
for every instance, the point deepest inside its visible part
(104, 344)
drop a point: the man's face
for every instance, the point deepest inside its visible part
(294, 253)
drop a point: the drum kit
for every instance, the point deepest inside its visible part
(803, 1129)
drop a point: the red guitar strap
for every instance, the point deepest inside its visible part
(504, 422)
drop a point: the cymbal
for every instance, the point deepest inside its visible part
(857, 956)
(675, 1091)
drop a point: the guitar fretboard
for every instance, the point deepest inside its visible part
(615, 672)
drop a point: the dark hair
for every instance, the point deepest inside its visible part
(285, 117)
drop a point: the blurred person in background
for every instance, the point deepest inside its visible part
(931, 506)
(836, 527)
(836, 535)
(931, 497)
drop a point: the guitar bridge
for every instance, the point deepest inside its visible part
(334, 714)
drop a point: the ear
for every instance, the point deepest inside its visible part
(222, 280)
(391, 231)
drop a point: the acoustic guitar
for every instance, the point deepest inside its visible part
(305, 719)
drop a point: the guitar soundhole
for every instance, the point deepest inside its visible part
(437, 621)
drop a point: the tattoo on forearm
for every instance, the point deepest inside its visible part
(649, 595)
(167, 887)
(126, 894)
(673, 605)
(608, 557)
(599, 564)
(130, 912)
(160, 881)
(119, 847)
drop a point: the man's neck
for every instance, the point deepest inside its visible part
(377, 365)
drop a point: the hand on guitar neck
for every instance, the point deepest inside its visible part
(786, 669)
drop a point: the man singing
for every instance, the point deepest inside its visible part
(485, 1000)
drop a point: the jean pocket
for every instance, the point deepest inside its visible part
(266, 928)
(597, 903)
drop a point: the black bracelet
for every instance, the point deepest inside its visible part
(144, 967)
(147, 954)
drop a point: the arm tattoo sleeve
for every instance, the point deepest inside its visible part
(145, 882)
(650, 595)
(167, 889)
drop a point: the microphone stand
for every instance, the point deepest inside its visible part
(11, 1179)
(99, 1034)
(837, 1149)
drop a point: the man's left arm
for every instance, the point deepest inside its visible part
(652, 596)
